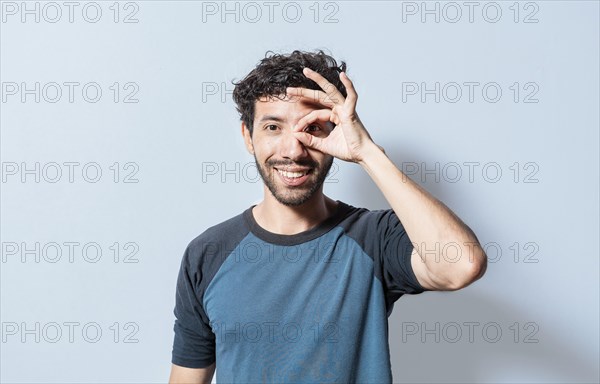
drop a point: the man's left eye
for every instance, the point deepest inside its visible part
(313, 128)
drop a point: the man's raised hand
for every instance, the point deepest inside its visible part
(349, 139)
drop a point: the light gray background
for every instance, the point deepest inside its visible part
(182, 143)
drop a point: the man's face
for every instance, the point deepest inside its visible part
(292, 172)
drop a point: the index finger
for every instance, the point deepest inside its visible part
(311, 95)
(334, 94)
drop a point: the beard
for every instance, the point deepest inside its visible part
(294, 195)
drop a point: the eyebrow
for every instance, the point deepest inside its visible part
(271, 118)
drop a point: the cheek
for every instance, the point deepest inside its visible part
(263, 152)
(266, 147)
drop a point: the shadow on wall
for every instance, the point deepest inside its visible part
(507, 344)
(468, 337)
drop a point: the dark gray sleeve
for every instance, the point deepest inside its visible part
(396, 248)
(382, 236)
(194, 342)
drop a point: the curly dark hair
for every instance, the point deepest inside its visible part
(276, 72)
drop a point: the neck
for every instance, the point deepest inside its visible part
(278, 218)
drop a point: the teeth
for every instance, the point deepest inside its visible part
(292, 175)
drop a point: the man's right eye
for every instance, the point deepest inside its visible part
(271, 127)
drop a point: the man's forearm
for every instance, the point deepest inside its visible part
(448, 247)
(183, 375)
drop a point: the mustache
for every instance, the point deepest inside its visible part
(305, 163)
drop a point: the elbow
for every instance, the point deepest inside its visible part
(470, 270)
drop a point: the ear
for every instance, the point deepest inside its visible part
(247, 138)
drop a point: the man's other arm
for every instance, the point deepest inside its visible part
(456, 258)
(451, 257)
(183, 375)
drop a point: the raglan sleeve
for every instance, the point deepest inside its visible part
(395, 251)
(194, 341)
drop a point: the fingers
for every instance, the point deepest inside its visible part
(332, 92)
(351, 96)
(312, 95)
(321, 115)
(331, 95)
(310, 141)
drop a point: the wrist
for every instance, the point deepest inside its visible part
(370, 153)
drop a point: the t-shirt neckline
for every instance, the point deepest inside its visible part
(298, 238)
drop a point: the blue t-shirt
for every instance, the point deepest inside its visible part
(309, 307)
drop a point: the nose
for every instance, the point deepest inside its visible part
(291, 147)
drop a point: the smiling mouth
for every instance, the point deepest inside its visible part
(293, 174)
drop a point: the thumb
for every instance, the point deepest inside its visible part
(310, 141)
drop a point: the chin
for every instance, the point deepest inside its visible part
(292, 202)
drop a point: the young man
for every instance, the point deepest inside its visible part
(298, 288)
